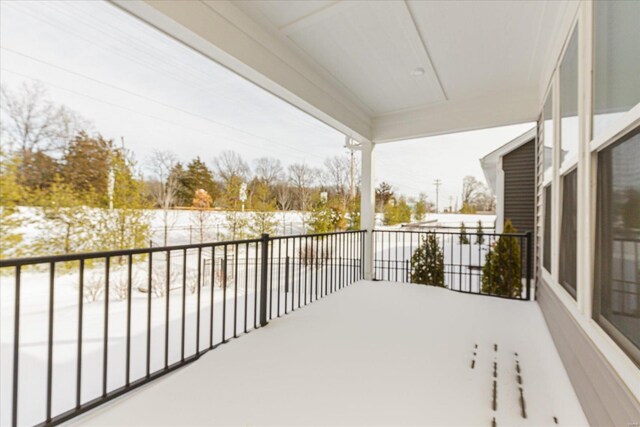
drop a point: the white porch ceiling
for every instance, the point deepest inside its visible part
(352, 63)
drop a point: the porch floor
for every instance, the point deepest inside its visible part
(374, 353)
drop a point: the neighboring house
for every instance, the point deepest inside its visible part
(511, 175)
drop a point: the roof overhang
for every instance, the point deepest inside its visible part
(380, 71)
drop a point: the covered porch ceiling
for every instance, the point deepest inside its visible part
(383, 70)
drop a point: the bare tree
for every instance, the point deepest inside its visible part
(284, 198)
(337, 171)
(165, 192)
(31, 122)
(470, 186)
(476, 195)
(302, 177)
(268, 169)
(230, 164)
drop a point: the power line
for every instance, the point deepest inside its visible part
(146, 98)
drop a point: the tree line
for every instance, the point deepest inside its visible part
(92, 194)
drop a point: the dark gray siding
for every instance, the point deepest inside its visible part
(519, 168)
(605, 399)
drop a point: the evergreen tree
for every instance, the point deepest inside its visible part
(328, 216)
(128, 224)
(194, 177)
(420, 208)
(86, 165)
(353, 217)
(464, 238)
(501, 273)
(427, 262)
(37, 170)
(236, 224)
(480, 234)
(230, 199)
(397, 213)
(68, 225)
(384, 195)
(263, 219)
(10, 220)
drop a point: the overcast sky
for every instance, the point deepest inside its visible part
(137, 84)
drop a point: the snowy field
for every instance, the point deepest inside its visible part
(182, 225)
(371, 354)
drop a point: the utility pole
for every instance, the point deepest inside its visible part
(437, 183)
(351, 146)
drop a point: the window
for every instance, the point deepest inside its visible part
(617, 282)
(569, 101)
(546, 248)
(568, 232)
(616, 60)
(547, 156)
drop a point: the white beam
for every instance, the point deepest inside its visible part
(367, 205)
(498, 109)
(316, 16)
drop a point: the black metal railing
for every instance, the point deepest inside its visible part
(79, 330)
(487, 263)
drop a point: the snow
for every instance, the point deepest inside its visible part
(181, 223)
(34, 321)
(375, 353)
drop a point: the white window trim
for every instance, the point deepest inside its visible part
(581, 308)
(623, 125)
(570, 164)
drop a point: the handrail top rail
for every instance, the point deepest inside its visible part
(46, 259)
(455, 233)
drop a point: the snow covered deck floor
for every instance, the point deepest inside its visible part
(371, 354)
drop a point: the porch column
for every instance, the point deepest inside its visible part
(367, 204)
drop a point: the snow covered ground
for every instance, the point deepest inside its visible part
(166, 319)
(371, 354)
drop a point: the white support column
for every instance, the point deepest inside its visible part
(367, 205)
(586, 190)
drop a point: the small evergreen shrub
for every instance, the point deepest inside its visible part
(501, 271)
(427, 263)
(480, 234)
(464, 238)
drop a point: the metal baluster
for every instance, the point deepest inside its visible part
(105, 344)
(212, 297)
(255, 291)
(198, 284)
(279, 274)
(224, 294)
(79, 349)
(128, 362)
(52, 267)
(184, 300)
(16, 350)
(235, 291)
(167, 291)
(149, 288)
(246, 283)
